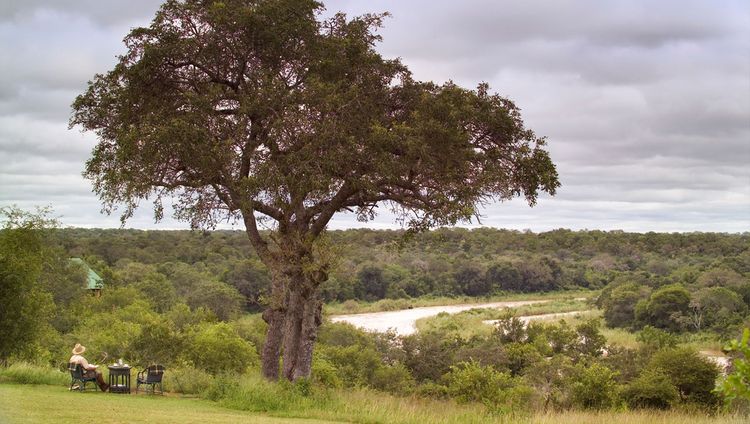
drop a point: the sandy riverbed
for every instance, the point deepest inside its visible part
(403, 321)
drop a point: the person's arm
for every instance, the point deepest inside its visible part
(85, 364)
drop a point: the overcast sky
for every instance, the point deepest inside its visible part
(646, 104)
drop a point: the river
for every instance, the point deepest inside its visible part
(403, 321)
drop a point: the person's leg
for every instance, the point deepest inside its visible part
(100, 381)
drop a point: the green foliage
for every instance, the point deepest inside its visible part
(158, 343)
(24, 305)
(521, 356)
(224, 301)
(652, 389)
(590, 341)
(551, 379)
(653, 339)
(325, 373)
(252, 393)
(428, 356)
(594, 387)
(187, 380)
(393, 379)
(619, 305)
(717, 308)
(735, 388)
(356, 365)
(471, 382)
(25, 373)
(217, 348)
(666, 308)
(693, 376)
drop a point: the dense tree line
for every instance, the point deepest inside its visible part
(679, 282)
(181, 298)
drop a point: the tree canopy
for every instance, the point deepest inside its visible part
(260, 110)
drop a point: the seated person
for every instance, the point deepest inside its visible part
(90, 370)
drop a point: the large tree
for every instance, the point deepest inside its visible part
(25, 305)
(263, 111)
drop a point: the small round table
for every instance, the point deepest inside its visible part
(119, 379)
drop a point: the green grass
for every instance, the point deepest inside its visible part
(21, 404)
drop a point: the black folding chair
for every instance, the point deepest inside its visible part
(78, 374)
(151, 376)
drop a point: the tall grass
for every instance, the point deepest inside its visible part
(25, 373)
(251, 399)
(303, 400)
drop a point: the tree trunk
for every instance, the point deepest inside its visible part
(272, 345)
(292, 329)
(311, 320)
(294, 314)
(274, 316)
(303, 318)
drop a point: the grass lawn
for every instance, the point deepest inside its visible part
(39, 404)
(54, 404)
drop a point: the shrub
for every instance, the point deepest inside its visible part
(253, 329)
(693, 376)
(652, 389)
(25, 373)
(343, 334)
(217, 348)
(187, 380)
(594, 387)
(355, 365)
(325, 373)
(736, 386)
(429, 356)
(654, 339)
(471, 382)
(521, 356)
(394, 379)
(665, 308)
(252, 393)
(392, 304)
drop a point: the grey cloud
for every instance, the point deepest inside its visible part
(646, 104)
(28, 136)
(46, 52)
(107, 13)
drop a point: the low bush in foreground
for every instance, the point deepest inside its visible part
(25, 373)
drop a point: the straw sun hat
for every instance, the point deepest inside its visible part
(79, 349)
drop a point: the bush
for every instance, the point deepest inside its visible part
(654, 339)
(393, 379)
(471, 382)
(652, 389)
(253, 393)
(594, 387)
(25, 373)
(355, 365)
(693, 376)
(736, 386)
(392, 304)
(325, 373)
(253, 329)
(429, 356)
(343, 334)
(187, 380)
(217, 348)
